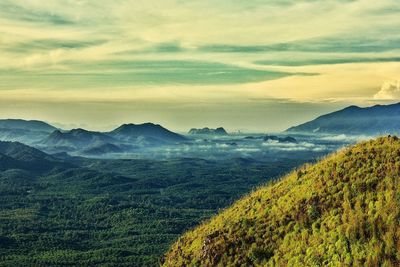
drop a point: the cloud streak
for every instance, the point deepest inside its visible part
(198, 51)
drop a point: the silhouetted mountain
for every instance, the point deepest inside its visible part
(147, 133)
(208, 131)
(76, 139)
(376, 120)
(24, 131)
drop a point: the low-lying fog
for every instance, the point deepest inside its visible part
(255, 147)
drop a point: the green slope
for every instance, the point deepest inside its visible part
(342, 211)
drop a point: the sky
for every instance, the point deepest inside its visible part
(260, 65)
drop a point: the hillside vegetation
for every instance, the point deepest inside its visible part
(343, 211)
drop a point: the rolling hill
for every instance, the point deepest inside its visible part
(353, 120)
(342, 211)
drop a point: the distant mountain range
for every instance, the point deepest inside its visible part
(208, 131)
(130, 138)
(125, 138)
(353, 120)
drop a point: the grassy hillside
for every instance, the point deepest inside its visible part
(343, 211)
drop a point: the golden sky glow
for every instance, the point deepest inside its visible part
(195, 63)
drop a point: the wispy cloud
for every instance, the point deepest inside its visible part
(191, 51)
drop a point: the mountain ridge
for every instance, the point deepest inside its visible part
(375, 120)
(26, 131)
(125, 138)
(31, 125)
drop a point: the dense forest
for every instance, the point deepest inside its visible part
(65, 211)
(342, 211)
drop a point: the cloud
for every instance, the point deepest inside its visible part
(301, 146)
(390, 90)
(346, 138)
(125, 73)
(327, 60)
(70, 50)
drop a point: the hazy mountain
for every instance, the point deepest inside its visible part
(147, 133)
(341, 211)
(124, 139)
(208, 131)
(376, 120)
(31, 125)
(24, 131)
(75, 139)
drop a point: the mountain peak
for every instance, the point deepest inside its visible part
(143, 125)
(79, 130)
(352, 107)
(208, 131)
(148, 130)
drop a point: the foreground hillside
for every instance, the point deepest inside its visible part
(343, 211)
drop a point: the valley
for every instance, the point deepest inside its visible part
(123, 212)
